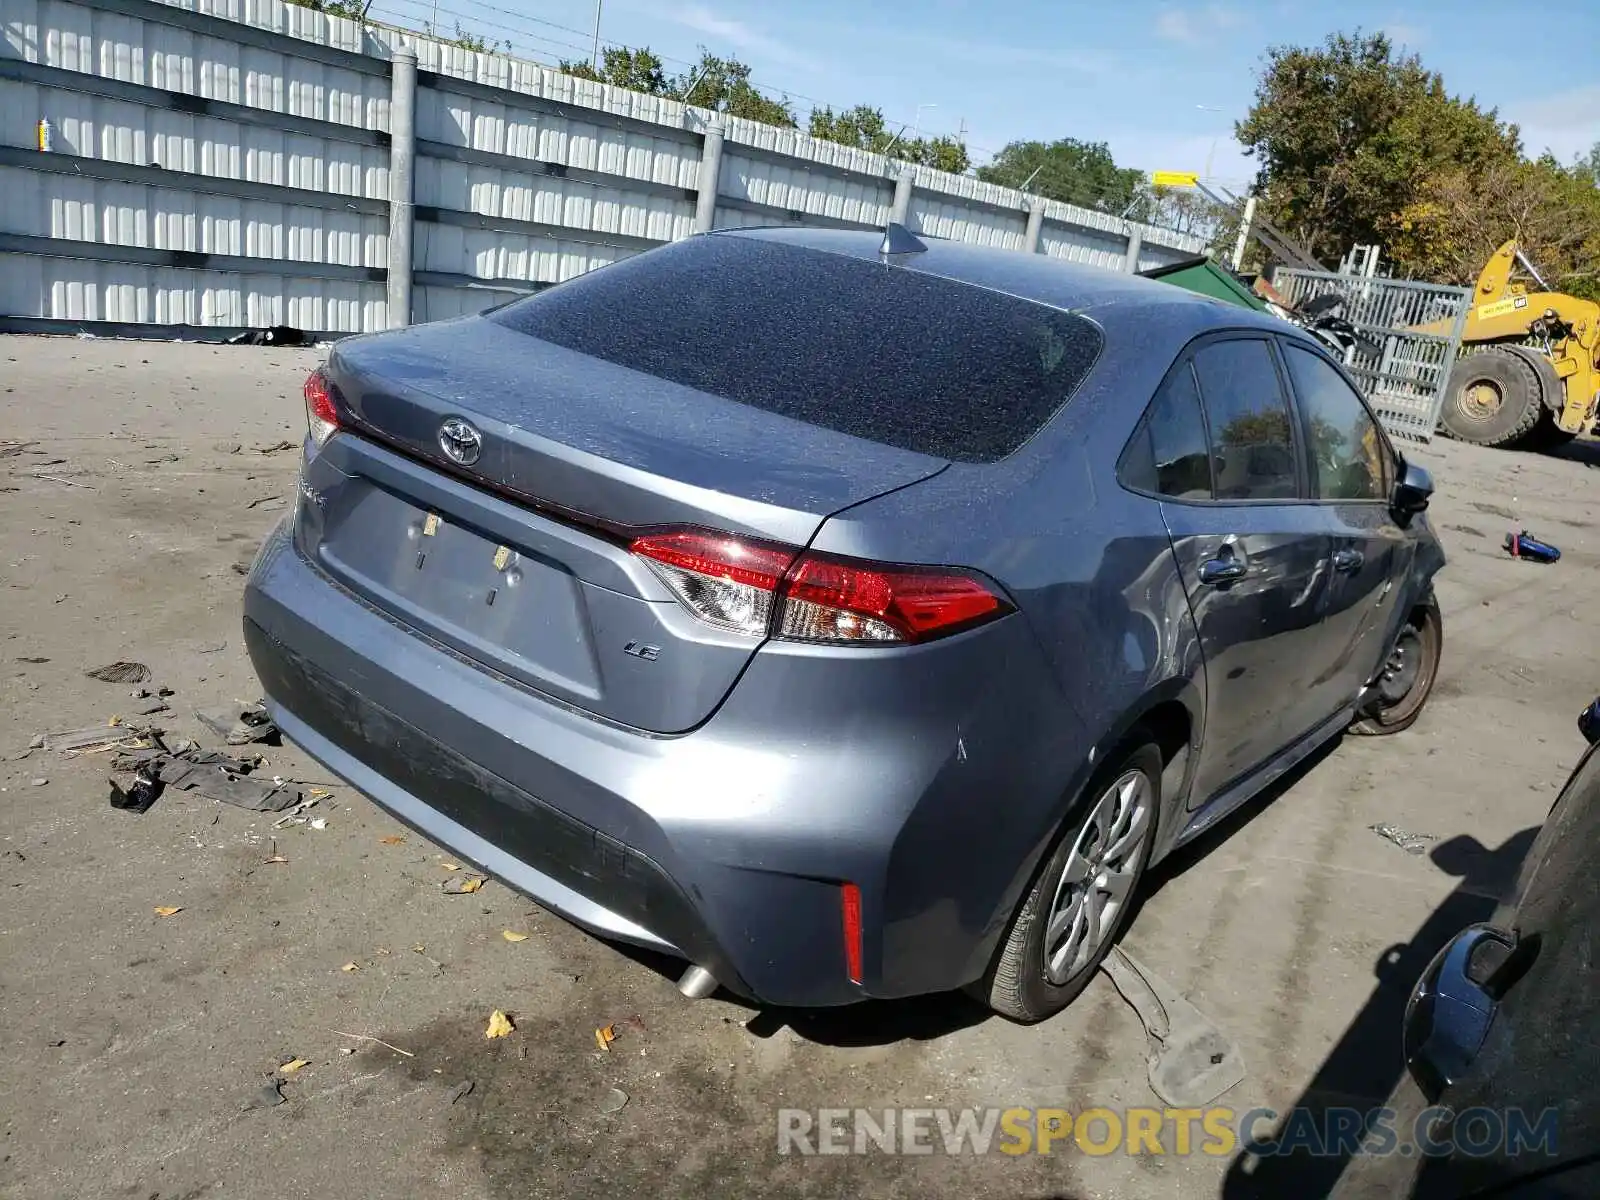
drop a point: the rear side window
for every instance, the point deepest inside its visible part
(884, 353)
(1248, 415)
(1349, 460)
(1168, 456)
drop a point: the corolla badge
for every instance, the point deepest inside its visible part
(460, 442)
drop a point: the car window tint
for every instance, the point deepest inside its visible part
(1348, 455)
(1168, 455)
(886, 353)
(1249, 419)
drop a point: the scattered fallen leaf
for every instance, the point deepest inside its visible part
(168, 910)
(604, 1036)
(350, 966)
(276, 858)
(513, 937)
(499, 1025)
(461, 885)
(347, 1050)
(461, 1091)
(293, 1065)
(418, 948)
(614, 1101)
(451, 866)
(319, 822)
(319, 793)
(394, 839)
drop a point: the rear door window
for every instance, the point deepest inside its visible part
(1349, 458)
(1168, 455)
(889, 354)
(1252, 435)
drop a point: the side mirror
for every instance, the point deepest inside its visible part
(1412, 492)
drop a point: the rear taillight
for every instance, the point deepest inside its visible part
(758, 588)
(722, 580)
(322, 415)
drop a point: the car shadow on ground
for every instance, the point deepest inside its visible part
(1580, 450)
(872, 1023)
(1367, 1063)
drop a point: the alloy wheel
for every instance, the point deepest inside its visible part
(1098, 876)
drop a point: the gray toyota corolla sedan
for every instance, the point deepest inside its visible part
(847, 615)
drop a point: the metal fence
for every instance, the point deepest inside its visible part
(1405, 378)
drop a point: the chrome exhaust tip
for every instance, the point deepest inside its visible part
(697, 983)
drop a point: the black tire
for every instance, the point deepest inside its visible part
(1545, 434)
(1492, 398)
(1424, 629)
(1015, 985)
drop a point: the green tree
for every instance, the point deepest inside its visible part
(1187, 210)
(1074, 172)
(864, 128)
(356, 10)
(723, 85)
(720, 84)
(1359, 144)
(637, 70)
(1346, 134)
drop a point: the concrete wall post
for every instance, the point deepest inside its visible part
(1030, 240)
(1135, 245)
(710, 179)
(402, 170)
(900, 210)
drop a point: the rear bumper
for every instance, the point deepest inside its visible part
(724, 846)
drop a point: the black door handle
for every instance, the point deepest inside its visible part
(1224, 569)
(1348, 562)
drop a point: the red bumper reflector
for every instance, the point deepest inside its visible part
(850, 906)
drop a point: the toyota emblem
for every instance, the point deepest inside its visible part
(460, 442)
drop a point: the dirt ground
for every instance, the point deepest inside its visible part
(134, 1043)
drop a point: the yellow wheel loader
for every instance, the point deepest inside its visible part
(1527, 371)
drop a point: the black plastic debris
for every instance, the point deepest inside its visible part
(1525, 545)
(1589, 722)
(120, 672)
(218, 776)
(146, 790)
(240, 725)
(274, 335)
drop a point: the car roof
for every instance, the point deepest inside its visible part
(1117, 301)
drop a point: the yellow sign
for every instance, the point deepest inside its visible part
(1501, 307)
(1174, 178)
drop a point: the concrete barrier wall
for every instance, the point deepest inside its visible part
(228, 163)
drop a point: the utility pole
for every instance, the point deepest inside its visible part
(596, 58)
(1244, 232)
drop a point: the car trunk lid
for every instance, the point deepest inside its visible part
(516, 556)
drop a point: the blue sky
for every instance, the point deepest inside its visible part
(1162, 82)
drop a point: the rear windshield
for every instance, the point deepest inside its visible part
(883, 353)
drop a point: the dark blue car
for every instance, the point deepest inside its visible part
(850, 617)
